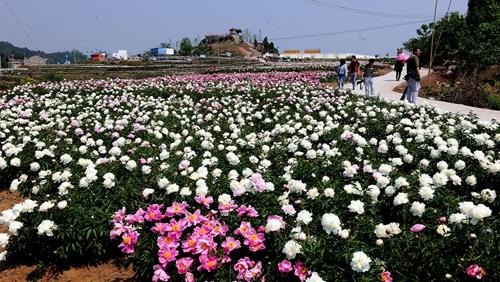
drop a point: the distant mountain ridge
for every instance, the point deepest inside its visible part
(7, 49)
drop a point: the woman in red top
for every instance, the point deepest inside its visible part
(353, 71)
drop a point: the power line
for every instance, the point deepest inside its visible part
(347, 31)
(360, 11)
(20, 24)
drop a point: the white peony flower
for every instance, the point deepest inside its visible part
(443, 230)
(478, 213)
(329, 192)
(147, 192)
(291, 249)
(331, 223)
(459, 165)
(304, 217)
(45, 206)
(387, 230)
(401, 199)
(356, 207)
(46, 228)
(488, 195)
(4, 240)
(312, 193)
(426, 193)
(471, 180)
(315, 278)
(14, 226)
(360, 262)
(417, 209)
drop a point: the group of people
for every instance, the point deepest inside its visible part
(353, 71)
(366, 73)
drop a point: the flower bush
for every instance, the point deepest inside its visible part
(247, 177)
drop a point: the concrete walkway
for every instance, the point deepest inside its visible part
(385, 84)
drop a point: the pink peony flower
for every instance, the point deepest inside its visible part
(300, 270)
(285, 266)
(118, 230)
(153, 213)
(258, 182)
(255, 241)
(119, 216)
(204, 245)
(168, 241)
(386, 276)
(475, 271)
(417, 228)
(230, 244)
(244, 229)
(167, 255)
(176, 209)
(189, 245)
(205, 201)
(160, 228)
(189, 277)
(129, 241)
(227, 207)
(183, 265)
(176, 227)
(207, 263)
(243, 265)
(138, 217)
(184, 164)
(160, 274)
(194, 218)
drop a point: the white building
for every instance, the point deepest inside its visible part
(323, 56)
(120, 55)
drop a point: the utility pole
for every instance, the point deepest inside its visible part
(432, 44)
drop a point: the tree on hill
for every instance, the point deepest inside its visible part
(186, 47)
(7, 49)
(269, 46)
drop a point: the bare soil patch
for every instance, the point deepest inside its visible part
(103, 272)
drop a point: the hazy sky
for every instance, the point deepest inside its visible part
(55, 25)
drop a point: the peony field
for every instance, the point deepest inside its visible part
(247, 177)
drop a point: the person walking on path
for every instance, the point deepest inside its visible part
(342, 73)
(399, 69)
(353, 71)
(413, 72)
(369, 71)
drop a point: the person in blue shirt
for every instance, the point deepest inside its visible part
(342, 73)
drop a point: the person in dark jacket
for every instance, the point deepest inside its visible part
(399, 69)
(413, 73)
(369, 72)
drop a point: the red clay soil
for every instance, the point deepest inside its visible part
(104, 272)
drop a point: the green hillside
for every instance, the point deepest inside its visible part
(7, 49)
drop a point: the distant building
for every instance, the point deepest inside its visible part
(157, 52)
(98, 57)
(15, 63)
(35, 61)
(120, 55)
(312, 52)
(316, 54)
